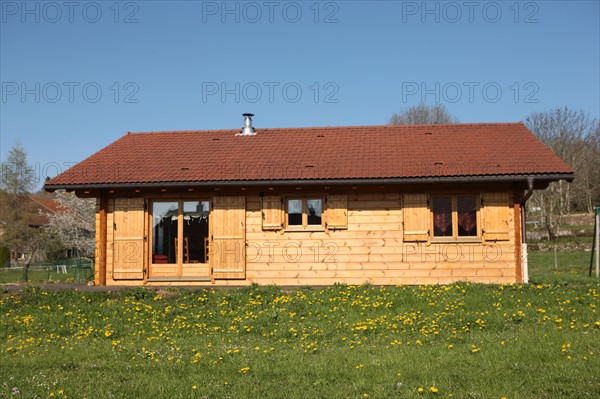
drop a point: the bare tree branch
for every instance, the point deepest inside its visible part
(423, 114)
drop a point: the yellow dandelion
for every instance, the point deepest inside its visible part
(433, 390)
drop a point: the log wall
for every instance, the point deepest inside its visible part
(371, 249)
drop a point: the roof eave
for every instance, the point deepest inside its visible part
(313, 182)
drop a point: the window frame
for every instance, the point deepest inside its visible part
(304, 226)
(179, 255)
(455, 237)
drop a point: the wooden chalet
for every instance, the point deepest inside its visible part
(385, 205)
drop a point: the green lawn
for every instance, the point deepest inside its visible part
(572, 267)
(462, 341)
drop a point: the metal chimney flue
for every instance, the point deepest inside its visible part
(248, 129)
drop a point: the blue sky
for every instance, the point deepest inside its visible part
(78, 75)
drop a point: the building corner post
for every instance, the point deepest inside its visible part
(102, 242)
(524, 261)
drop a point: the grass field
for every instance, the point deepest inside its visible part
(462, 341)
(572, 267)
(48, 272)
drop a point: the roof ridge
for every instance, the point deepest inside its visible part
(479, 124)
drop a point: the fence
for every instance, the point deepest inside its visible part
(72, 270)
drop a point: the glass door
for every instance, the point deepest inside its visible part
(179, 240)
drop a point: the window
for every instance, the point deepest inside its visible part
(174, 219)
(304, 213)
(454, 216)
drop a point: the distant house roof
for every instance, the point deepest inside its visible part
(40, 209)
(390, 153)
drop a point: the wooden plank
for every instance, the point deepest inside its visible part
(202, 269)
(388, 205)
(395, 217)
(163, 270)
(369, 264)
(374, 196)
(332, 235)
(376, 227)
(517, 246)
(180, 279)
(100, 271)
(109, 241)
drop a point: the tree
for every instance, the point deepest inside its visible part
(16, 181)
(74, 222)
(18, 177)
(423, 114)
(573, 136)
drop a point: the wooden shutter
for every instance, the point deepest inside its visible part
(129, 239)
(416, 217)
(495, 216)
(272, 213)
(228, 221)
(337, 212)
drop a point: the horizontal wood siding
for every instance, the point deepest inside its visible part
(371, 250)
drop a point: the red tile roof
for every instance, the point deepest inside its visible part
(37, 209)
(319, 153)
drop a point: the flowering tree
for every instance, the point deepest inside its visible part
(74, 222)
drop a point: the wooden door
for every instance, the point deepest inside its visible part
(228, 246)
(129, 239)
